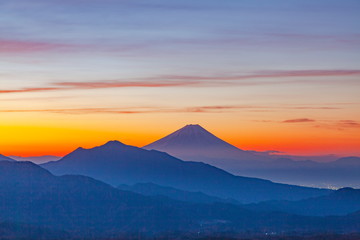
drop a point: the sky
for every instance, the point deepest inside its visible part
(262, 75)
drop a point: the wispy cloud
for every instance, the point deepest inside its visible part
(123, 84)
(349, 123)
(126, 110)
(346, 39)
(190, 81)
(80, 110)
(22, 90)
(299, 120)
(269, 74)
(339, 125)
(103, 84)
(22, 46)
(162, 109)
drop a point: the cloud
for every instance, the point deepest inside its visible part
(348, 38)
(122, 84)
(315, 108)
(269, 74)
(298, 120)
(159, 109)
(349, 123)
(17, 46)
(191, 81)
(230, 107)
(339, 125)
(28, 90)
(224, 108)
(126, 110)
(78, 111)
(102, 84)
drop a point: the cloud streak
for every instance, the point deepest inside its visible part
(298, 120)
(270, 74)
(349, 123)
(192, 81)
(124, 84)
(23, 90)
(339, 125)
(102, 85)
(20, 46)
(157, 109)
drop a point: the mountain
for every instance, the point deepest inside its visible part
(341, 202)
(151, 189)
(116, 163)
(346, 161)
(4, 158)
(195, 141)
(89, 209)
(343, 172)
(80, 205)
(37, 159)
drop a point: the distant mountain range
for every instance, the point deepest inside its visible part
(36, 159)
(116, 163)
(194, 143)
(82, 207)
(4, 158)
(343, 172)
(341, 202)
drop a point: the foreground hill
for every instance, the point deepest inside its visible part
(84, 207)
(116, 163)
(18, 231)
(81, 205)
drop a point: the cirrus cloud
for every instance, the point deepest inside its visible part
(299, 120)
(24, 46)
(194, 81)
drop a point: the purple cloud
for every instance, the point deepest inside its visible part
(298, 120)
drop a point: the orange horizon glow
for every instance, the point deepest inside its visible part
(27, 141)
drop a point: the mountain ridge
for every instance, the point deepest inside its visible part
(5, 158)
(86, 208)
(194, 140)
(116, 163)
(278, 168)
(340, 202)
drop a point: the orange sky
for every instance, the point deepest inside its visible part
(59, 134)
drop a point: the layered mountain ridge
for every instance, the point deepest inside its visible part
(116, 163)
(81, 207)
(194, 143)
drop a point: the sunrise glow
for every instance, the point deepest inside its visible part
(270, 77)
